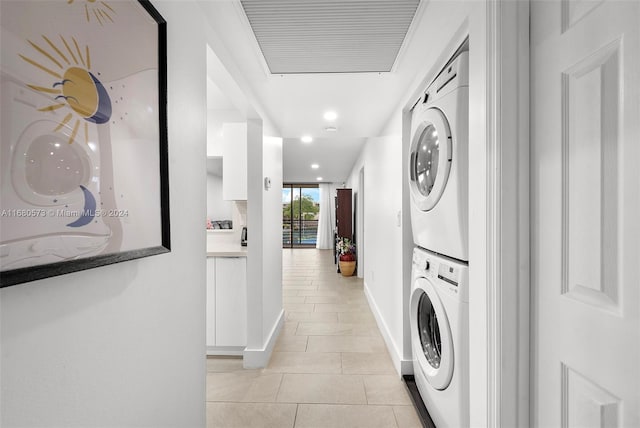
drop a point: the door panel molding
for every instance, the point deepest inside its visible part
(585, 403)
(574, 10)
(590, 92)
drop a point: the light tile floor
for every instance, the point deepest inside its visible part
(330, 367)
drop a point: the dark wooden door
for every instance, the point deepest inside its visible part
(344, 213)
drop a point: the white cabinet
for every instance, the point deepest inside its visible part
(211, 301)
(231, 301)
(226, 304)
(234, 162)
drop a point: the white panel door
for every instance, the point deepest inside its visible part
(585, 223)
(231, 301)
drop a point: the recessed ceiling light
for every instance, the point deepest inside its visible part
(315, 166)
(319, 178)
(306, 139)
(330, 115)
(331, 129)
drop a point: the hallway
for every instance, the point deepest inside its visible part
(330, 366)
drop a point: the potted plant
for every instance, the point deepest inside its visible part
(346, 250)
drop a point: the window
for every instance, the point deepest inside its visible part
(300, 209)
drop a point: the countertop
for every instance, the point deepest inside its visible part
(227, 250)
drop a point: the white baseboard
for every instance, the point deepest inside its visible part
(406, 367)
(259, 358)
(402, 366)
(225, 350)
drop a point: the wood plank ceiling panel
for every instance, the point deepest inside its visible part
(330, 36)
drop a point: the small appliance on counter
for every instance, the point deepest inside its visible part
(243, 237)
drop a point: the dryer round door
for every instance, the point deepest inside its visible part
(431, 335)
(430, 159)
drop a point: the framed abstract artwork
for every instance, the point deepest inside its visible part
(83, 136)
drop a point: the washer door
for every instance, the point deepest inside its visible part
(431, 335)
(430, 159)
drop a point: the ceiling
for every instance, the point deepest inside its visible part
(334, 156)
(348, 36)
(292, 105)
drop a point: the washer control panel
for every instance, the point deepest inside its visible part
(446, 275)
(449, 274)
(421, 261)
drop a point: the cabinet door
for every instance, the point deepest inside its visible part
(211, 301)
(234, 162)
(231, 301)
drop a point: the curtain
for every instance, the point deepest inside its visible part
(324, 240)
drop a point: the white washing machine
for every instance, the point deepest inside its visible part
(50, 183)
(438, 163)
(440, 336)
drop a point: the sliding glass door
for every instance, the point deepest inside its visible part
(300, 209)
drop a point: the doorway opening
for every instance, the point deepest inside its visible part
(359, 222)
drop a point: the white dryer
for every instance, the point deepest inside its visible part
(440, 336)
(438, 163)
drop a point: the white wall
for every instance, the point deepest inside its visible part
(383, 275)
(255, 249)
(264, 256)
(124, 345)
(272, 232)
(217, 208)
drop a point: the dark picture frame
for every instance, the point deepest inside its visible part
(85, 177)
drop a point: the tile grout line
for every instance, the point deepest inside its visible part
(366, 397)
(395, 417)
(295, 333)
(295, 416)
(279, 386)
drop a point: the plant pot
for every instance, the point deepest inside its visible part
(347, 267)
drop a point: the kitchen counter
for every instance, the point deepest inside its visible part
(227, 250)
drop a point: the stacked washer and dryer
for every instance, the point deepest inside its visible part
(439, 220)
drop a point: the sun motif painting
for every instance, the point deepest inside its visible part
(73, 86)
(83, 136)
(101, 10)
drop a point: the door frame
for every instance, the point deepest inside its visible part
(360, 225)
(507, 266)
